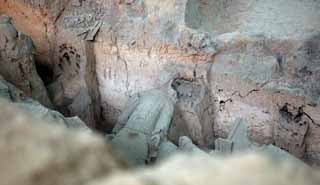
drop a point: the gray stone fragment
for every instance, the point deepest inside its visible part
(238, 141)
(186, 145)
(166, 149)
(143, 126)
(4, 91)
(153, 112)
(239, 137)
(223, 145)
(132, 145)
(18, 63)
(37, 110)
(34, 152)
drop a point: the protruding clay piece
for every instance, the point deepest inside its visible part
(18, 63)
(238, 141)
(143, 126)
(239, 137)
(8, 34)
(223, 145)
(186, 145)
(13, 95)
(166, 149)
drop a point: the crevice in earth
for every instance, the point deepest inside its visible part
(257, 89)
(59, 15)
(246, 94)
(222, 103)
(45, 72)
(92, 83)
(119, 58)
(312, 120)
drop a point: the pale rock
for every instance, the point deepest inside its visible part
(34, 152)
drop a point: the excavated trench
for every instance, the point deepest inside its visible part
(264, 66)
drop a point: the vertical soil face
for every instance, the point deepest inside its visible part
(276, 18)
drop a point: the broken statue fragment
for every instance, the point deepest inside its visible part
(143, 125)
